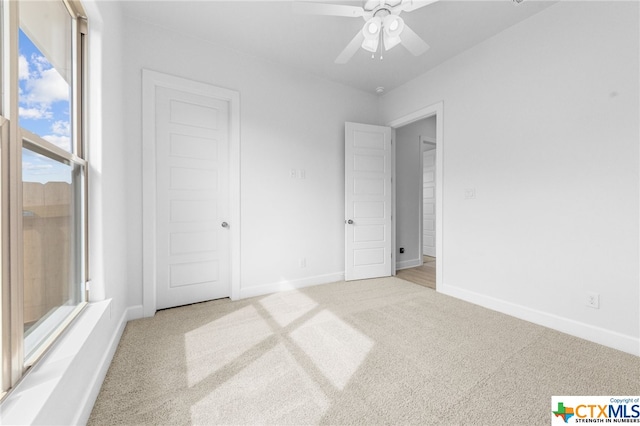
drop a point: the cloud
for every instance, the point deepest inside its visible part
(62, 128)
(41, 86)
(60, 141)
(61, 136)
(46, 88)
(36, 167)
(23, 68)
(34, 113)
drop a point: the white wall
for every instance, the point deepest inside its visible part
(107, 151)
(542, 120)
(408, 183)
(289, 120)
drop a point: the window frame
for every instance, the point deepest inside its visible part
(12, 139)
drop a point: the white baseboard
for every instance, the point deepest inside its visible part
(134, 312)
(263, 289)
(93, 388)
(594, 334)
(406, 264)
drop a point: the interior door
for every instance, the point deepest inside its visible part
(192, 199)
(368, 207)
(429, 203)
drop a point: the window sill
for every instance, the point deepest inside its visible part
(52, 326)
(56, 386)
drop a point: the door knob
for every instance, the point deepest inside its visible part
(225, 225)
(350, 222)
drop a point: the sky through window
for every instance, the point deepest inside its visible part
(44, 109)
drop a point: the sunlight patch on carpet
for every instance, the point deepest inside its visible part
(212, 346)
(336, 348)
(287, 307)
(273, 389)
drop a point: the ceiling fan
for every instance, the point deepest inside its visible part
(383, 25)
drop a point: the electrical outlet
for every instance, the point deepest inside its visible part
(302, 262)
(293, 173)
(593, 300)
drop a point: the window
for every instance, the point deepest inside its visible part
(43, 174)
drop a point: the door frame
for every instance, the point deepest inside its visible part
(151, 80)
(436, 110)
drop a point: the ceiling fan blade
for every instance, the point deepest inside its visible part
(307, 8)
(413, 42)
(351, 49)
(411, 5)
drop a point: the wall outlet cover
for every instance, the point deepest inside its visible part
(593, 300)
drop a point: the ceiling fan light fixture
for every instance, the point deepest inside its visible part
(393, 25)
(371, 28)
(371, 33)
(370, 45)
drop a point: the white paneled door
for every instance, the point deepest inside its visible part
(192, 198)
(368, 245)
(429, 203)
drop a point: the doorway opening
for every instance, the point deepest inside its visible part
(418, 196)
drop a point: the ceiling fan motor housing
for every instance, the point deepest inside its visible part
(372, 5)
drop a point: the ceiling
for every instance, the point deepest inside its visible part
(270, 30)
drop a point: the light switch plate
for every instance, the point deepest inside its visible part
(469, 193)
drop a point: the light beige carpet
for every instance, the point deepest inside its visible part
(382, 351)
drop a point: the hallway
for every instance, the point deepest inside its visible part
(424, 275)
